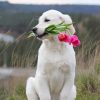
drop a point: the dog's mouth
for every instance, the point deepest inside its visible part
(42, 35)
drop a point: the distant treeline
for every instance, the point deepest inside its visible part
(18, 22)
(85, 9)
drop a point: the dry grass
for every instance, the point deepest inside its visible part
(88, 76)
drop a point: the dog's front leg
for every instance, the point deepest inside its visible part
(30, 89)
(43, 89)
(68, 92)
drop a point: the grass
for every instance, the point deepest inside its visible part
(88, 86)
(88, 76)
(12, 90)
(87, 82)
(19, 93)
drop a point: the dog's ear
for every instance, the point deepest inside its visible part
(67, 19)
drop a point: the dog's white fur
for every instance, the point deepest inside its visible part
(54, 79)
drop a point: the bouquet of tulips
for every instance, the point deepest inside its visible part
(63, 36)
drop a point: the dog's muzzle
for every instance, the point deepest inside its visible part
(34, 30)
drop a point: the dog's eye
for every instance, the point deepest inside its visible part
(47, 20)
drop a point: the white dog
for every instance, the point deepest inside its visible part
(54, 79)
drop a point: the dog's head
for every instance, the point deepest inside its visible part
(48, 18)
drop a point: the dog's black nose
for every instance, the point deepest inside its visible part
(34, 29)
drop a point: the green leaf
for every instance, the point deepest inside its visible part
(31, 34)
(55, 32)
(51, 27)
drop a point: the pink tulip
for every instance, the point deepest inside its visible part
(74, 41)
(63, 37)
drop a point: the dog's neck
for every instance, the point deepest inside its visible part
(54, 44)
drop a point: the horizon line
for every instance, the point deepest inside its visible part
(52, 3)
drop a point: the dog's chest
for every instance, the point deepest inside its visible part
(56, 67)
(56, 61)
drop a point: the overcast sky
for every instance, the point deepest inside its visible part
(93, 2)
